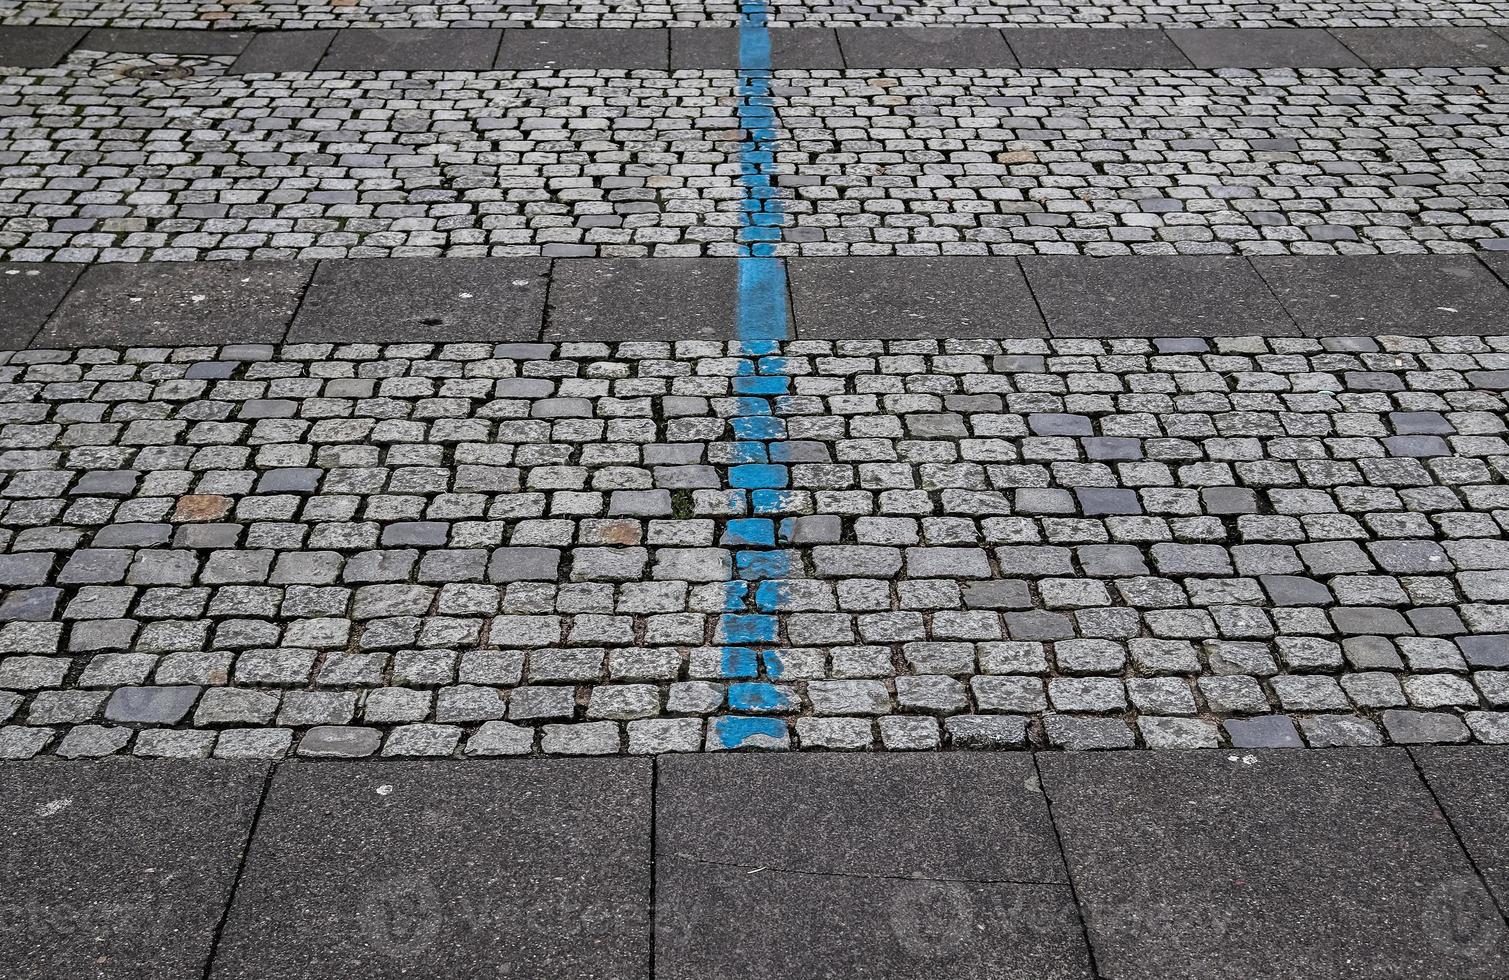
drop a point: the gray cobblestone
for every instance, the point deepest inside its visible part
(977, 162)
(1331, 603)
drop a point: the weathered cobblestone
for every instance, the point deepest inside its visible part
(1287, 576)
(94, 167)
(685, 13)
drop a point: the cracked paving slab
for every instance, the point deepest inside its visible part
(592, 548)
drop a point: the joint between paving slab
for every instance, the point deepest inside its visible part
(654, 859)
(230, 896)
(1414, 760)
(1080, 905)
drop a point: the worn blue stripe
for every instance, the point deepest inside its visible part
(751, 630)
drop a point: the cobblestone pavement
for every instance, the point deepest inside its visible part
(685, 13)
(583, 548)
(96, 167)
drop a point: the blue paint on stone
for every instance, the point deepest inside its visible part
(759, 565)
(757, 696)
(753, 476)
(748, 452)
(772, 595)
(735, 596)
(743, 628)
(738, 662)
(746, 406)
(762, 322)
(777, 502)
(749, 531)
(732, 731)
(756, 385)
(758, 428)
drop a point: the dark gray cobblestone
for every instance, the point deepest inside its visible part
(416, 550)
(94, 167)
(686, 13)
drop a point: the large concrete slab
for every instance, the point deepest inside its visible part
(753, 923)
(1285, 864)
(385, 869)
(1425, 47)
(924, 47)
(896, 866)
(1037, 47)
(412, 49)
(587, 47)
(283, 51)
(36, 47)
(29, 292)
(1405, 294)
(805, 48)
(908, 296)
(1472, 784)
(642, 299)
(154, 41)
(125, 304)
(404, 299)
(1154, 296)
(938, 816)
(708, 48)
(1278, 47)
(119, 868)
(718, 48)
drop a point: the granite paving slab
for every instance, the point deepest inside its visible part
(586, 48)
(393, 300)
(283, 52)
(1280, 48)
(37, 47)
(1240, 863)
(639, 299)
(1142, 295)
(178, 303)
(412, 49)
(1132, 48)
(717, 48)
(1425, 47)
(1442, 294)
(875, 298)
(119, 868)
(904, 47)
(1472, 786)
(148, 41)
(487, 869)
(29, 292)
(836, 865)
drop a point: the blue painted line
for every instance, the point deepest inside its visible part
(751, 630)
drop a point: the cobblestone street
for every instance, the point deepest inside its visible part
(766, 488)
(414, 549)
(902, 162)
